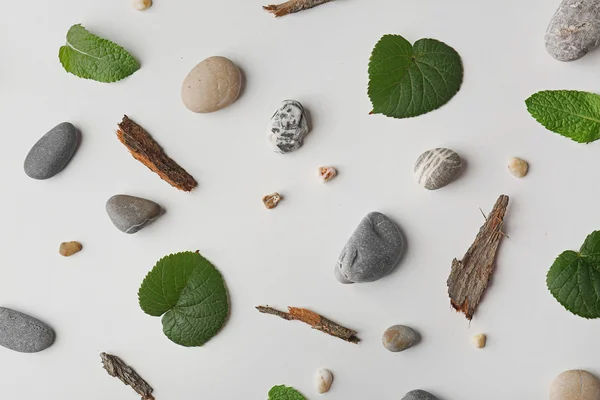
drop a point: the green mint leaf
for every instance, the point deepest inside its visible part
(190, 294)
(91, 57)
(406, 81)
(574, 279)
(285, 393)
(569, 113)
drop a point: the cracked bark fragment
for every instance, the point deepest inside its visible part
(118, 369)
(315, 320)
(145, 149)
(470, 276)
(293, 6)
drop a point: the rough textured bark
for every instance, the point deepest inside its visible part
(144, 149)
(315, 320)
(293, 6)
(117, 368)
(470, 276)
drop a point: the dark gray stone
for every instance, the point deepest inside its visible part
(372, 251)
(22, 333)
(436, 168)
(288, 127)
(52, 152)
(419, 395)
(399, 338)
(130, 214)
(574, 29)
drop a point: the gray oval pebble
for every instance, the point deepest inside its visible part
(372, 251)
(22, 333)
(419, 395)
(399, 338)
(52, 152)
(288, 127)
(130, 214)
(437, 168)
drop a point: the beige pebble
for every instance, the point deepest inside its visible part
(575, 385)
(69, 248)
(518, 167)
(327, 173)
(141, 5)
(323, 380)
(479, 340)
(211, 85)
(271, 200)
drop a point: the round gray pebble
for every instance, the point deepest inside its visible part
(372, 251)
(437, 168)
(399, 338)
(22, 333)
(288, 127)
(419, 395)
(130, 214)
(52, 152)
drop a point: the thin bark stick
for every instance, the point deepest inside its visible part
(117, 368)
(293, 6)
(145, 149)
(315, 320)
(470, 276)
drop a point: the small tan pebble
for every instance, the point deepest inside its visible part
(69, 248)
(479, 340)
(323, 380)
(327, 173)
(271, 200)
(141, 5)
(518, 167)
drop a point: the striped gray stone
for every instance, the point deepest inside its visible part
(436, 168)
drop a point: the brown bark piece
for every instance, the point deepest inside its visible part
(470, 276)
(293, 6)
(315, 320)
(145, 149)
(117, 368)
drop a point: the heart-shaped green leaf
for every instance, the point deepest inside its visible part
(406, 81)
(285, 393)
(574, 278)
(191, 294)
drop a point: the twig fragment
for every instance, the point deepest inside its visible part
(117, 368)
(470, 276)
(293, 6)
(145, 149)
(315, 320)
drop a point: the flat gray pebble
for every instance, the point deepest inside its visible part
(22, 333)
(399, 338)
(130, 214)
(419, 395)
(372, 251)
(436, 168)
(574, 29)
(288, 127)
(52, 152)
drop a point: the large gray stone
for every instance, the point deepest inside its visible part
(288, 127)
(419, 395)
(130, 214)
(574, 29)
(52, 152)
(372, 251)
(22, 333)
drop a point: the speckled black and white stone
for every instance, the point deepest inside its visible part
(419, 395)
(372, 251)
(574, 29)
(130, 214)
(288, 127)
(52, 152)
(23, 333)
(436, 168)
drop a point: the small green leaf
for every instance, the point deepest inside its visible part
(285, 393)
(570, 113)
(574, 278)
(406, 81)
(91, 57)
(190, 294)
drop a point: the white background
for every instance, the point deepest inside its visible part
(285, 256)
